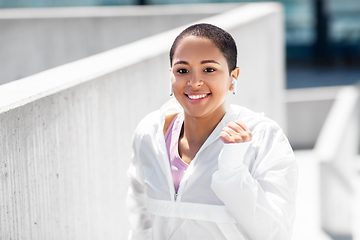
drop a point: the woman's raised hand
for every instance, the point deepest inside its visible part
(235, 132)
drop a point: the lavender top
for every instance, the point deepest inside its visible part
(177, 165)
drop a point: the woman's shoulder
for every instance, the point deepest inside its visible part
(168, 121)
(151, 123)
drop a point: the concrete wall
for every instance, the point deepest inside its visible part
(307, 109)
(33, 40)
(65, 134)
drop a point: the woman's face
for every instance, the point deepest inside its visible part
(200, 77)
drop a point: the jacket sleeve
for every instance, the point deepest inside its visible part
(257, 183)
(139, 219)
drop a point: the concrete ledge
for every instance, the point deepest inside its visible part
(34, 40)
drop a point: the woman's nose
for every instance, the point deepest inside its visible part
(195, 81)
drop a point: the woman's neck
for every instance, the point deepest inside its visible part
(195, 132)
(198, 130)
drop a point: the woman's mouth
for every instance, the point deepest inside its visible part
(197, 96)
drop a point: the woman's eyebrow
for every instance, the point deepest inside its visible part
(181, 62)
(209, 61)
(202, 62)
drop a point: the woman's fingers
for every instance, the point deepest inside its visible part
(242, 125)
(235, 132)
(225, 137)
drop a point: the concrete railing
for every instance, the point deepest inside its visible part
(65, 134)
(337, 148)
(34, 40)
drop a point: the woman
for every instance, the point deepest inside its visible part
(201, 171)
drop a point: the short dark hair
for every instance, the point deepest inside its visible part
(222, 39)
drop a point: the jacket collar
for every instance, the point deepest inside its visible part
(232, 114)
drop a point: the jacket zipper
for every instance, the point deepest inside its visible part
(177, 195)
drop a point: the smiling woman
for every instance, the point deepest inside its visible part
(202, 171)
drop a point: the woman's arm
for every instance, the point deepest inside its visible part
(260, 194)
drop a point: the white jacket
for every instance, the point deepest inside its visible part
(229, 191)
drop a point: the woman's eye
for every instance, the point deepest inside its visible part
(209, 70)
(182, 70)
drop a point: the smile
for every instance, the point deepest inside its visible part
(199, 96)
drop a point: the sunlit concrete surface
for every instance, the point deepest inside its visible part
(65, 133)
(308, 221)
(36, 39)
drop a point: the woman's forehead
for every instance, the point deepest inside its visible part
(197, 47)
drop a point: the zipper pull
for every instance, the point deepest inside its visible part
(175, 196)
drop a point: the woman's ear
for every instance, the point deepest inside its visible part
(235, 73)
(234, 76)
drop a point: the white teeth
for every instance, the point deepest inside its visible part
(197, 96)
